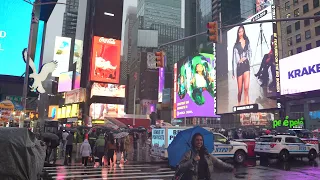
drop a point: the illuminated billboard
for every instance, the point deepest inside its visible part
(300, 72)
(194, 87)
(53, 112)
(248, 73)
(101, 111)
(65, 82)
(105, 60)
(263, 4)
(108, 90)
(61, 55)
(13, 38)
(256, 119)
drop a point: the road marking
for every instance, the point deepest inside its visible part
(124, 175)
(92, 168)
(133, 177)
(92, 172)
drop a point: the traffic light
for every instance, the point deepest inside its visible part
(213, 33)
(159, 59)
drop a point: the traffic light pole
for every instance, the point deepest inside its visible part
(239, 24)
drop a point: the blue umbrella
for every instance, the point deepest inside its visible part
(182, 143)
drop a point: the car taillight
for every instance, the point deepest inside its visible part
(272, 145)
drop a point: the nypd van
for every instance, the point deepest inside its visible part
(284, 147)
(228, 149)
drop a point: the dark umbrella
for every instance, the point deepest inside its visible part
(52, 138)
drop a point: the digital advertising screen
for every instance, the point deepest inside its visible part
(75, 110)
(65, 81)
(13, 38)
(251, 66)
(108, 90)
(61, 54)
(161, 84)
(53, 112)
(77, 59)
(158, 141)
(68, 111)
(77, 81)
(101, 111)
(300, 72)
(263, 4)
(194, 81)
(148, 106)
(256, 119)
(105, 60)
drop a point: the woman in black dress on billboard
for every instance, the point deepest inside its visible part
(241, 64)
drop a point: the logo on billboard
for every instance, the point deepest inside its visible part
(107, 41)
(304, 71)
(3, 34)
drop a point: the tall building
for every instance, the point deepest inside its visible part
(129, 32)
(70, 18)
(155, 11)
(299, 36)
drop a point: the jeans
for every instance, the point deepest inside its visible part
(69, 152)
(85, 160)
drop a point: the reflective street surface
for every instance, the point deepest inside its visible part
(141, 166)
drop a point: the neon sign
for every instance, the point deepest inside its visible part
(290, 123)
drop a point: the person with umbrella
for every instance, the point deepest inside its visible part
(198, 163)
(52, 142)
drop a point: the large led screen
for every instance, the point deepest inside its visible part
(300, 72)
(247, 73)
(14, 35)
(65, 81)
(105, 60)
(108, 90)
(195, 87)
(61, 55)
(101, 111)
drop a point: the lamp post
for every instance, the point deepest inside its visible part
(34, 20)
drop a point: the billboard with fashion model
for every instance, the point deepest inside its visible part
(105, 60)
(194, 91)
(300, 72)
(252, 65)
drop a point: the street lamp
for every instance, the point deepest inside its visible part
(34, 20)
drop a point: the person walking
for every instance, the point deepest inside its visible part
(126, 148)
(198, 163)
(64, 135)
(111, 149)
(69, 147)
(85, 152)
(99, 148)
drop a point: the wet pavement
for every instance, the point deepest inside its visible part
(141, 166)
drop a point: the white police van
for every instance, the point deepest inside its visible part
(226, 149)
(284, 147)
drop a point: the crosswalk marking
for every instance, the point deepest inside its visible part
(145, 171)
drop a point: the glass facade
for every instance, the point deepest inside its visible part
(70, 19)
(164, 11)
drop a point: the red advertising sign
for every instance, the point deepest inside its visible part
(105, 60)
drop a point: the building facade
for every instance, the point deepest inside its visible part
(155, 11)
(70, 18)
(299, 36)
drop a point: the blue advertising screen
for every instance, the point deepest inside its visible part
(14, 34)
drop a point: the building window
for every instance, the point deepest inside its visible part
(287, 5)
(315, 3)
(290, 52)
(308, 34)
(295, 2)
(299, 50)
(308, 46)
(318, 43)
(289, 41)
(317, 14)
(306, 22)
(317, 30)
(297, 25)
(296, 13)
(289, 30)
(305, 8)
(298, 38)
(288, 15)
